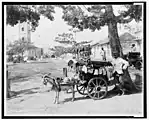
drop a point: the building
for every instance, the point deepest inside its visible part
(126, 41)
(138, 40)
(24, 31)
(96, 48)
(34, 52)
(25, 35)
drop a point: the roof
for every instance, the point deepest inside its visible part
(127, 37)
(124, 37)
(32, 47)
(101, 42)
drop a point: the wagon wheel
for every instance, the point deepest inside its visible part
(81, 88)
(99, 88)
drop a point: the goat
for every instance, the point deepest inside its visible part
(58, 85)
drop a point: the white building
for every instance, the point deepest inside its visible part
(126, 41)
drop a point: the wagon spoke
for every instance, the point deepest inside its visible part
(102, 93)
(90, 90)
(98, 94)
(93, 83)
(100, 82)
(90, 86)
(96, 81)
(103, 85)
(95, 94)
(81, 88)
(94, 90)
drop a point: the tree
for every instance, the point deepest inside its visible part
(19, 47)
(102, 15)
(59, 50)
(65, 38)
(68, 38)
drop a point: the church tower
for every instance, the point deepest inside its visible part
(24, 31)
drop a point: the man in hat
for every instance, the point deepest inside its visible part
(119, 65)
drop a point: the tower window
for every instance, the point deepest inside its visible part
(22, 28)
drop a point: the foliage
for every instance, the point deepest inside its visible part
(65, 38)
(18, 59)
(10, 58)
(18, 47)
(68, 38)
(72, 14)
(133, 28)
(31, 58)
(58, 50)
(75, 16)
(31, 13)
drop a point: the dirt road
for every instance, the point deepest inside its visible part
(34, 99)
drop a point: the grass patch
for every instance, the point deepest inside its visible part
(21, 71)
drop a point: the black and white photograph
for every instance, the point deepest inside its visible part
(74, 60)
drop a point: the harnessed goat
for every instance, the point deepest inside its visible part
(58, 85)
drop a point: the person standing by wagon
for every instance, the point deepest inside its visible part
(103, 54)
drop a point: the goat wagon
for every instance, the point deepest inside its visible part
(95, 82)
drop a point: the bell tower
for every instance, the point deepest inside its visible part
(24, 31)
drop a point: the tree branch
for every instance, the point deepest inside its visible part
(96, 9)
(122, 20)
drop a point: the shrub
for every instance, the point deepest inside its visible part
(31, 58)
(10, 58)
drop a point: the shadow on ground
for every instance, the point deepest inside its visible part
(16, 94)
(138, 81)
(113, 93)
(110, 94)
(19, 78)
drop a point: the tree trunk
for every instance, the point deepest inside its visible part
(22, 54)
(112, 32)
(116, 46)
(114, 38)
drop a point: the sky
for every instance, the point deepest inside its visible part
(48, 30)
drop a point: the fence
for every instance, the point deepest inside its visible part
(7, 83)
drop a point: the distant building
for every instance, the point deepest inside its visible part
(126, 41)
(34, 52)
(96, 48)
(138, 40)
